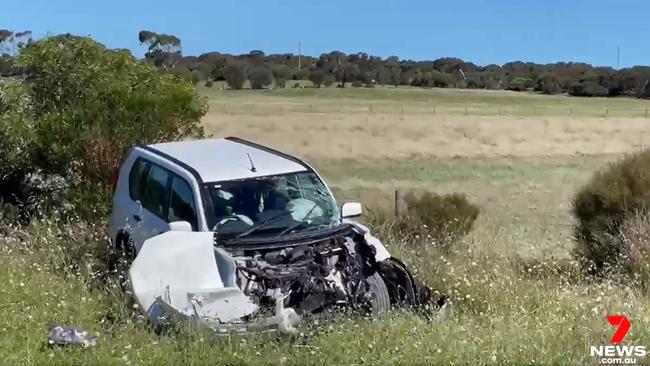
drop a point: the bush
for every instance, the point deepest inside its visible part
(602, 209)
(260, 77)
(281, 73)
(357, 84)
(316, 77)
(235, 76)
(81, 107)
(209, 83)
(440, 219)
(521, 83)
(328, 80)
(589, 89)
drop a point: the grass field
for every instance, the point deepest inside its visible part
(518, 296)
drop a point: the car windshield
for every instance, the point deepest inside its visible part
(271, 206)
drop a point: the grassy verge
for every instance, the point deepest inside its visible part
(518, 297)
(506, 311)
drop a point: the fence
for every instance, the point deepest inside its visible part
(428, 109)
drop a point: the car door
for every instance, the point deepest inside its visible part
(150, 212)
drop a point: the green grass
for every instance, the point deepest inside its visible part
(510, 308)
(407, 100)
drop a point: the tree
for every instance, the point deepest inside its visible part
(89, 105)
(281, 73)
(260, 77)
(11, 43)
(328, 80)
(164, 50)
(235, 75)
(316, 77)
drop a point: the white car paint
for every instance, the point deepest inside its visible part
(211, 160)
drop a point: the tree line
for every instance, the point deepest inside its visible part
(364, 70)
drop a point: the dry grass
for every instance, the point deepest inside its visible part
(285, 122)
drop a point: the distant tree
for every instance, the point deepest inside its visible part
(256, 57)
(11, 43)
(260, 77)
(547, 84)
(235, 75)
(163, 50)
(316, 77)
(281, 73)
(521, 83)
(328, 79)
(588, 88)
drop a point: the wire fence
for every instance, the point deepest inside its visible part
(428, 109)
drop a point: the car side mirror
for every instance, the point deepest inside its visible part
(351, 209)
(180, 226)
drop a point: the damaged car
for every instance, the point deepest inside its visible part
(236, 235)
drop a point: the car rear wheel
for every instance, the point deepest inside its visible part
(123, 254)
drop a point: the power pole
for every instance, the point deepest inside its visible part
(299, 54)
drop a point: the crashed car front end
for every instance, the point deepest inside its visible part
(263, 287)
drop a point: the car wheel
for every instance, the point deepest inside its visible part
(123, 254)
(379, 298)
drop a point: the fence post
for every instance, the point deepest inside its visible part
(465, 108)
(433, 109)
(370, 108)
(310, 108)
(646, 113)
(400, 208)
(606, 112)
(570, 111)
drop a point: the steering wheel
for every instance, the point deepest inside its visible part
(235, 217)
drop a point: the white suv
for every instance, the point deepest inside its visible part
(195, 185)
(272, 222)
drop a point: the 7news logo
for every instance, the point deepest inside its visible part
(617, 353)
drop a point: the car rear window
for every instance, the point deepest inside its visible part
(154, 198)
(137, 178)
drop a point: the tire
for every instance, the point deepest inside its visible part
(380, 300)
(123, 254)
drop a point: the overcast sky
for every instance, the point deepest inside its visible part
(481, 31)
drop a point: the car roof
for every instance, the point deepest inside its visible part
(227, 158)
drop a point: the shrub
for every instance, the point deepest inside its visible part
(589, 89)
(235, 76)
(357, 84)
(281, 73)
(604, 206)
(90, 105)
(328, 80)
(521, 83)
(209, 83)
(439, 219)
(316, 77)
(260, 77)
(82, 106)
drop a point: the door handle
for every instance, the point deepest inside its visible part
(137, 218)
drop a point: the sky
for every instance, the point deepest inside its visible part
(481, 31)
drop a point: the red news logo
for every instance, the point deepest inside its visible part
(622, 324)
(618, 354)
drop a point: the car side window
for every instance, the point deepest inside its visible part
(181, 202)
(137, 178)
(155, 195)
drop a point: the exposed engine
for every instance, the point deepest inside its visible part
(312, 278)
